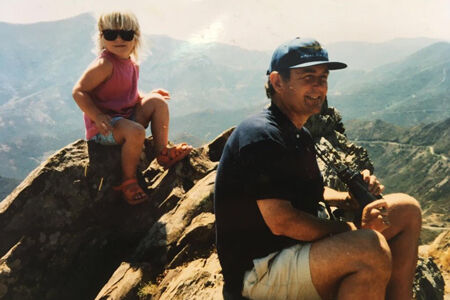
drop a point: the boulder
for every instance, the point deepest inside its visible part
(67, 235)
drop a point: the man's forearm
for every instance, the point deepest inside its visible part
(306, 227)
(335, 198)
(285, 220)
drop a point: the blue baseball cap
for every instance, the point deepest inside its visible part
(299, 53)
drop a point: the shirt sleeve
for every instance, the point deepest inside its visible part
(267, 172)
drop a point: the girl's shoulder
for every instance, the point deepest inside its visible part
(105, 58)
(104, 62)
(101, 67)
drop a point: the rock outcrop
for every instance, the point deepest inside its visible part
(67, 235)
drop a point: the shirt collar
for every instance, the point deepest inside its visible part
(282, 119)
(299, 135)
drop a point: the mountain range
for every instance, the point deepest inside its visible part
(408, 92)
(213, 86)
(411, 160)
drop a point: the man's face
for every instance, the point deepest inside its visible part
(305, 91)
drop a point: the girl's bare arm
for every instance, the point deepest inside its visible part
(95, 74)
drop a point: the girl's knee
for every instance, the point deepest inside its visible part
(135, 131)
(139, 131)
(162, 104)
(155, 100)
(153, 106)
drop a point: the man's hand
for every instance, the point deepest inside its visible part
(162, 92)
(103, 124)
(375, 187)
(375, 216)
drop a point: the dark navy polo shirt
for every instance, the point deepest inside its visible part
(265, 157)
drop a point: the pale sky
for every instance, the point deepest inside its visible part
(258, 24)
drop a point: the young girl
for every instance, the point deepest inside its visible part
(114, 111)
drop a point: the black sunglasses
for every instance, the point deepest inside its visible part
(111, 35)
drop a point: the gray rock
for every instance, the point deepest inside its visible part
(67, 235)
(428, 281)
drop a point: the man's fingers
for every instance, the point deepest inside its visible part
(375, 208)
(381, 189)
(375, 215)
(374, 184)
(366, 175)
(377, 189)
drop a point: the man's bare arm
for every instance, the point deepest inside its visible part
(339, 199)
(285, 220)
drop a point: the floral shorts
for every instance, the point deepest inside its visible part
(108, 140)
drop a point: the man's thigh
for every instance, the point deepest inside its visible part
(333, 258)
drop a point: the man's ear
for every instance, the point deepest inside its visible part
(276, 81)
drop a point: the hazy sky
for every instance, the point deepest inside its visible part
(258, 24)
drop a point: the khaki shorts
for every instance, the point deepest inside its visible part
(281, 275)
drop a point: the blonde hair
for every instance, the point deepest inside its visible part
(121, 21)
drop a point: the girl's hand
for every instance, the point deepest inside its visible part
(103, 124)
(375, 187)
(162, 92)
(375, 216)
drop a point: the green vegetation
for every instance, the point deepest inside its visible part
(147, 290)
(406, 160)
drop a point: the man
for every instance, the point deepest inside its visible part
(270, 242)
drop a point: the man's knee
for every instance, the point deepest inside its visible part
(413, 211)
(375, 251)
(408, 208)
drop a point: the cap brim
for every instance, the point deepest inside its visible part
(332, 65)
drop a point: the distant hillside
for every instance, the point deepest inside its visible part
(204, 77)
(367, 56)
(213, 86)
(208, 124)
(413, 160)
(412, 91)
(436, 135)
(7, 185)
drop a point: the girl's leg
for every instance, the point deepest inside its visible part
(155, 109)
(131, 136)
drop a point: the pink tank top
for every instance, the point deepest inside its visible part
(118, 95)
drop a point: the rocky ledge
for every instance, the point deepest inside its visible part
(67, 235)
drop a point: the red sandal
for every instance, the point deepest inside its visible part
(132, 192)
(169, 156)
